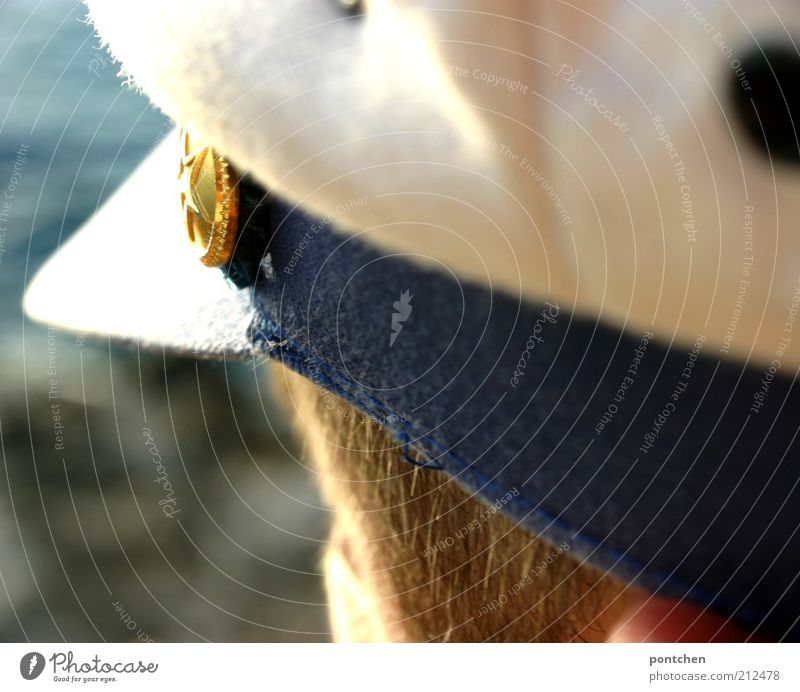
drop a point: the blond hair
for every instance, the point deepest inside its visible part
(431, 562)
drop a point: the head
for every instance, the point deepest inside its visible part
(635, 164)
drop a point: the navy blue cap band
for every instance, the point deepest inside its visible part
(664, 465)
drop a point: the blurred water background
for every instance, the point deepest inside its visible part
(87, 553)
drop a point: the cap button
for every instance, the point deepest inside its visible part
(209, 193)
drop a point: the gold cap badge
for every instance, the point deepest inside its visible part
(209, 189)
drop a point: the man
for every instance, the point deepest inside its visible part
(533, 271)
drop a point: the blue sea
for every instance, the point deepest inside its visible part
(83, 131)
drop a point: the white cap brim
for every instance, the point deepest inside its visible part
(129, 274)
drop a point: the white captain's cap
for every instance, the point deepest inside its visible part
(595, 154)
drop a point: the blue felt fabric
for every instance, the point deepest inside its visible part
(688, 487)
